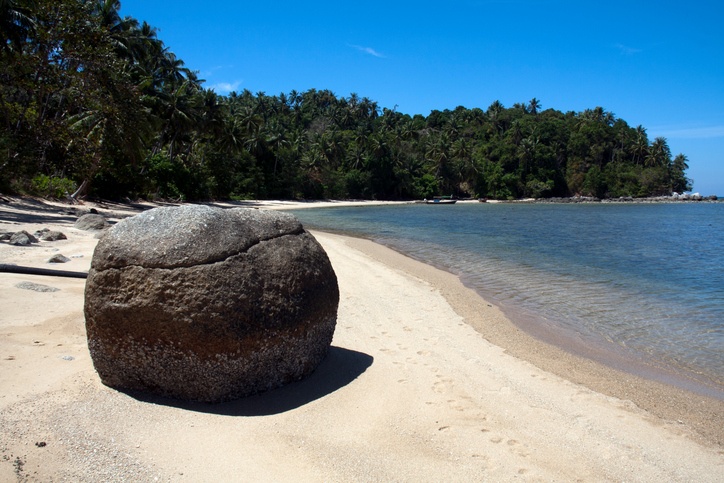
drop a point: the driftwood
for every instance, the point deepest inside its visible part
(7, 268)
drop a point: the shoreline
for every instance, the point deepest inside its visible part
(425, 381)
(705, 414)
(572, 343)
(553, 351)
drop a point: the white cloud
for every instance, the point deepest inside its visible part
(211, 71)
(626, 50)
(368, 50)
(677, 132)
(224, 87)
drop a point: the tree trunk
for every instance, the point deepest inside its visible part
(80, 191)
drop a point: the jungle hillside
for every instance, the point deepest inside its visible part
(95, 104)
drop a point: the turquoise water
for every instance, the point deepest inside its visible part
(642, 280)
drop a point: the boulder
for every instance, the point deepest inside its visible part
(50, 235)
(58, 258)
(206, 304)
(22, 238)
(90, 222)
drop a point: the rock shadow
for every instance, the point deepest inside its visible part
(338, 369)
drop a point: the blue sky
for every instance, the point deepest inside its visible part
(658, 64)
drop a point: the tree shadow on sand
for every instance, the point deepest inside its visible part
(35, 212)
(339, 368)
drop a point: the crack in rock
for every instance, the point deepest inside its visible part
(151, 239)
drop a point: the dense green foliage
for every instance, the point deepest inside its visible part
(95, 101)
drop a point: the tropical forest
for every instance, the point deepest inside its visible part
(93, 104)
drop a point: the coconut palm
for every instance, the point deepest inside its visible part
(180, 113)
(640, 145)
(533, 106)
(659, 153)
(16, 23)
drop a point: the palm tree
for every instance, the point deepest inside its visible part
(533, 106)
(494, 113)
(466, 170)
(16, 23)
(522, 106)
(641, 145)
(277, 140)
(526, 152)
(679, 181)
(515, 132)
(360, 147)
(106, 129)
(659, 153)
(173, 71)
(250, 119)
(438, 152)
(140, 44)
(108, 12)
(181, 113)
(369, 108)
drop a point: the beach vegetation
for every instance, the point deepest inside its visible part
(55, 187)
(101, 99)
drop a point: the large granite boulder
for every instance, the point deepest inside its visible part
(207, 304)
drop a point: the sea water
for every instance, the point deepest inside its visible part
(643, 281)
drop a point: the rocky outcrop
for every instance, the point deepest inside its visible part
(206, 304)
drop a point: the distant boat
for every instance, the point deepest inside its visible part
(441, 200)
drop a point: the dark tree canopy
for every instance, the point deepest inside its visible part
(91, 102)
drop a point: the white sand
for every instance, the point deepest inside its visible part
(409, 392)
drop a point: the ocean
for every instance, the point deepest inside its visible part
(642, 282)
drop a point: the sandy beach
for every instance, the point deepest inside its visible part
(425, 381)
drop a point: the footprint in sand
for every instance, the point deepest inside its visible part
(442, 386)
(517, 448)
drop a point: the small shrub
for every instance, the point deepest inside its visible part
(52, 186)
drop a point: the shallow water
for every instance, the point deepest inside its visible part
(645, 280)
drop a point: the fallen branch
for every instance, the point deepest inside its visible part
(7, 268)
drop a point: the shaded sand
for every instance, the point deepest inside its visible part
(409, 392)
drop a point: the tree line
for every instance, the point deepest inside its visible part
(92, 103)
